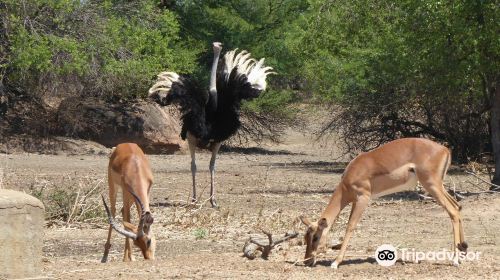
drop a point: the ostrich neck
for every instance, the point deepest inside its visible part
(213, 87)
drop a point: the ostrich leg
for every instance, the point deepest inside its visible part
(215, 149)
(192, 149)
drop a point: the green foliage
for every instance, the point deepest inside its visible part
(272, 101)
(33, 54)
(137, 47)
(412, 68)
(417, 45)
(339, 61)
(200, 233)
(113, 48)
(264, 27)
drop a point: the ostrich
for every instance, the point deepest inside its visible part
(209, 117)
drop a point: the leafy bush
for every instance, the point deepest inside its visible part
(109, 48)
(413, 68)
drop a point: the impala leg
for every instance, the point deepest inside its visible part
(127, 256)
(357, 210)
(451, 199)
(338, 246)
(215, 150)
(463, 244)
(436, 189)
(107, 246)
(192, 150)
(339, 200)
(112, 200)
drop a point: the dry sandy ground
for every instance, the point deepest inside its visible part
(268, 187)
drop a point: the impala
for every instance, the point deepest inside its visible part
(390, 168)
(129, 171)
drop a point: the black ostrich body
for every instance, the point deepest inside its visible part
(203, 118)
(211, 116)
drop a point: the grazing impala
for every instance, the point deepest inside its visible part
(393, 167)
(129, 171)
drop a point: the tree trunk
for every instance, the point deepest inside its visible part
(495, 133)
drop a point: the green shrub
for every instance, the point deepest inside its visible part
(200, 233)
(111, 48)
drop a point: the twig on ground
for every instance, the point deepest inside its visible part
(455, 193)
(253, 245)
(424, 197)
(200, 205)
(497, 187)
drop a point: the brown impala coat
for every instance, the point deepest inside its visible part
(129, 171)
(393, 167)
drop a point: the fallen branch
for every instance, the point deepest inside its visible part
(495, 186)
(424, 197)
(458, 194)
(253, 245)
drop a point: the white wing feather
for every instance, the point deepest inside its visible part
(164, 82)
(254, 70)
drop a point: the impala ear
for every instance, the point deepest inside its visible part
(322, 224)
(305, 221)
(130, 227)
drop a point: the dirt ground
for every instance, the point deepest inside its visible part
(267, 186)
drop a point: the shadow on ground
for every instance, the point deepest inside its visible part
(315, 166)
(255, 151)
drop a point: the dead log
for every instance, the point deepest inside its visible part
(259, 244)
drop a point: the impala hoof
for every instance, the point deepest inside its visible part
(334, 265)
(462, 247)
(214, 203)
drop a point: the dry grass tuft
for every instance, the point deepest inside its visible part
(69, 199)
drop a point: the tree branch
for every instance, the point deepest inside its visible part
(253, 245)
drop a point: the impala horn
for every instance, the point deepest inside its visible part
(140, 229)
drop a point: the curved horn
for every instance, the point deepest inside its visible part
(305, 221)
(140, 229)
(114, 224)
(138, 201)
